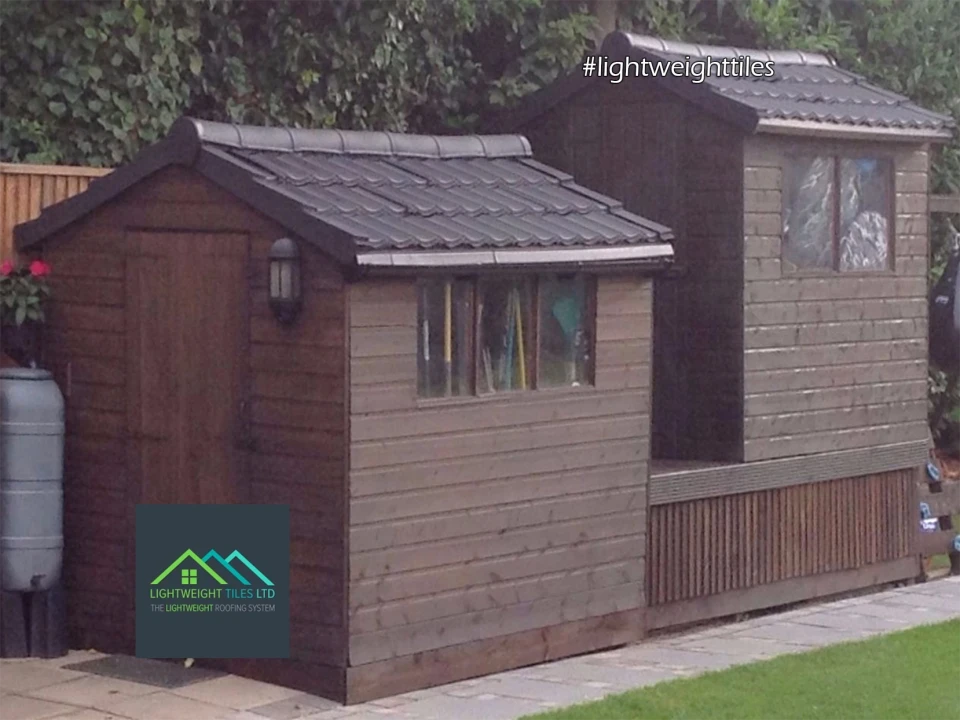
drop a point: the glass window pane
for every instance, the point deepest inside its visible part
(565, 332)
(808, 216)
(506, 334)
(445, 338)
(864, 210)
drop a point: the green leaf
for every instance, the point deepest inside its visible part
(57, 108)
(20, 315)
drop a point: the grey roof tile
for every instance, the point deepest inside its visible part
(415, 200)
(559, 199)
(335, 198)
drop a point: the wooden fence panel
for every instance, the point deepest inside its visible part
(708, 546)
(26, 189)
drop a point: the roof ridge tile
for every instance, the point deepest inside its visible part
(359, 142)
(676, 47)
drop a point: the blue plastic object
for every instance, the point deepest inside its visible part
(956, 544)
(925, 511)
(933, 472)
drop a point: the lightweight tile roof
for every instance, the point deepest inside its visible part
(362, 193)
(808, 92)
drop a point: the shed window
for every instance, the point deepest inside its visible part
(504, 334)
(837, 213)
(565, 357)
(445, 338)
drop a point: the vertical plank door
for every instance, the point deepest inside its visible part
(187, 325)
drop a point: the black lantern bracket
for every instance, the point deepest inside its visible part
(286, 296)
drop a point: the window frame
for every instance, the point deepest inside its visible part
(475, 396)
(837, 155)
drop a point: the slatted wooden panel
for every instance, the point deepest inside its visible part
(710, 546)
(26, 189)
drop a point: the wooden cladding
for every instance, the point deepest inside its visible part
(836, 361)
(714, 545)
(482, 517)
(26, 189)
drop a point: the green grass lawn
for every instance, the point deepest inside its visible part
(909, 674)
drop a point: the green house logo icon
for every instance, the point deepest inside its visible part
(189, 575)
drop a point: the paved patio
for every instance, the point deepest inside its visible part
(37, 689)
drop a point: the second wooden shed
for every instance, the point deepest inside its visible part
(435, 350)
(790, 363)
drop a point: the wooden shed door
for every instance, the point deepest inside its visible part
(187, 359)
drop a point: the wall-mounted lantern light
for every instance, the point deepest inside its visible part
(285, 295)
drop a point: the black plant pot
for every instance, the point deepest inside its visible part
(22, 343)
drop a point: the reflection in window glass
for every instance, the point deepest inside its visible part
(808, 218)
(864, 206)
(445, 338)
(564, 341)
(506, 335)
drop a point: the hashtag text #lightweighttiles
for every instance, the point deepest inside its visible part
(696, 69)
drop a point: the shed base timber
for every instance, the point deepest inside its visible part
(483, 657)
(780, 593)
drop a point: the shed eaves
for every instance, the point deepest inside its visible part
(806, 88)
(359, 192)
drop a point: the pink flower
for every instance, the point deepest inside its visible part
(6, 267)
(38, 268)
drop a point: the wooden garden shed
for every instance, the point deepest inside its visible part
(436, 350)
(789, 381)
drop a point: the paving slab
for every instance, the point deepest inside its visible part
(796, 634)
(23, 676)
(236, 692)
(92, 691)
(338, 714)
(543, 691)
(164, 705)
(481, 707)
(18, 707)
(741, 649)
(850, 619)
(909, 615)
(667, 657)
(293, 708)
(924, 600)
(88, 714)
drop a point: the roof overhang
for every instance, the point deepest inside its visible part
(776, 126)
(652, 256)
